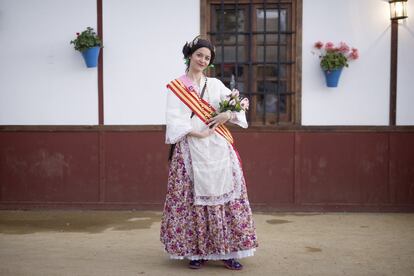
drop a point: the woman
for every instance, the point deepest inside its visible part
(206, 214)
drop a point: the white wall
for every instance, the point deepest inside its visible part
(42, 78)
(405, 85)
(143, 43)
(362, 97)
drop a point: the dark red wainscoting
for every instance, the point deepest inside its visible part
(284, 170)
(49, 167)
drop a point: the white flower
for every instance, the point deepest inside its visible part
(244, 104)
(235, 93)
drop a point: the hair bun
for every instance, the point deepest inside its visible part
(190, 47)
(186, 50)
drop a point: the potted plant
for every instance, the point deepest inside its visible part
(89, 44)
(333, 59)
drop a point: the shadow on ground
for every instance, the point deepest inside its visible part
(21, 222)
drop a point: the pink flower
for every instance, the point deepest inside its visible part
(343, 48)
(246, 243)
(232, 102)
(235, 93)
(244, 104)
(329, 46)
(236, 206)
(318, 44)
(354, 54)
(333, 57)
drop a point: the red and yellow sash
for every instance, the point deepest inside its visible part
(199, 106)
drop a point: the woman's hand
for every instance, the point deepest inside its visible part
(219, 119)
(203, 134)
(213, 123)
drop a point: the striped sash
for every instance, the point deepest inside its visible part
(201, 108)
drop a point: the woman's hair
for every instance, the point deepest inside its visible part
(190, 47)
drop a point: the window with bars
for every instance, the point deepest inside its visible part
(256, 53)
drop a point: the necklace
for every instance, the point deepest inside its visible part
(197, 84)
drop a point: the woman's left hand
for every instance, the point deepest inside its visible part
(221, 118)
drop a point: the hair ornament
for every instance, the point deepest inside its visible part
(198, 42)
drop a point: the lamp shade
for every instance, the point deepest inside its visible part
(398, 9)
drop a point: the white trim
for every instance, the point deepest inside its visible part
(233, 255)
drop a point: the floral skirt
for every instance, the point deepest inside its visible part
(203, 232)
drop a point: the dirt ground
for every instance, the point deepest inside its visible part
(127, 243)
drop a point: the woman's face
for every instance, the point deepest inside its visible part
(200, 59)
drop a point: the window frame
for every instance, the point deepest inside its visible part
(295, 52)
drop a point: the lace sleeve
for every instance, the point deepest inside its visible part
(178, 122)
(239, 118)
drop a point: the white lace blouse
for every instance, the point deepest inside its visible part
(215, 169)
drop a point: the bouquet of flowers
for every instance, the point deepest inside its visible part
(334, 57)
(232, 102)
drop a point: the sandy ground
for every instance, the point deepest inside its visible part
(127, 243)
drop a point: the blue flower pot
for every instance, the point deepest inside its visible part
(91, 56)
(332, 77)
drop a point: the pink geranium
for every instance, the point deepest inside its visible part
(354, 54)
(343, 48)
(329, 46)
(318, 45)
(334, 57)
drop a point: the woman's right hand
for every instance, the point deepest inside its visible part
(205, 133)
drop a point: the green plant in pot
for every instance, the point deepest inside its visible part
(333, 59)
(89, 44)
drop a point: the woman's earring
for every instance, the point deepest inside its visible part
(187, 61)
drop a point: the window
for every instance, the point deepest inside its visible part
(256, 53)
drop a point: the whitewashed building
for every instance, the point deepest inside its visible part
(72, 136)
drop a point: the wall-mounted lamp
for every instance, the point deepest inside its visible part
(398, 9)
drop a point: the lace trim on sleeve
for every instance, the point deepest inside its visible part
(177, 136)
(239, 118)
